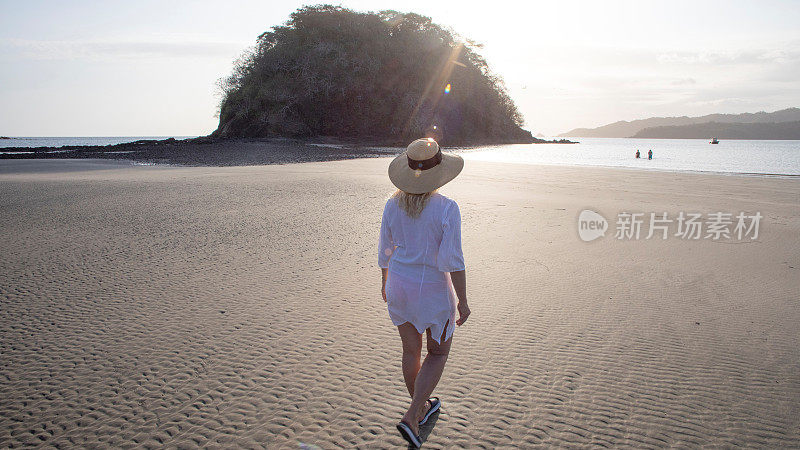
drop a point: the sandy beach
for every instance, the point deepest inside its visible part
(154, 306)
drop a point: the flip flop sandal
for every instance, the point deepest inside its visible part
(409, 435)
(435, 405)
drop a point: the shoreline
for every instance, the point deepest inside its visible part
(655, 169)
(345, 156)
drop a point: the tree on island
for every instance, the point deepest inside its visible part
(379, 77)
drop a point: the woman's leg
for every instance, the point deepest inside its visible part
(412, 350)
(427, 378)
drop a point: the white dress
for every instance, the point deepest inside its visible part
(419, 254)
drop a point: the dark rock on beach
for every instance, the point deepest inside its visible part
(204, 151)
(209, 151)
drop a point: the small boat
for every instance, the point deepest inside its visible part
(714, 141)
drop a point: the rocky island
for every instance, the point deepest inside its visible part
(383, 77)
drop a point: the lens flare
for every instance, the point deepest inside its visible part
(447, 89)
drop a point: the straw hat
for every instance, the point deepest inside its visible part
(423, 167)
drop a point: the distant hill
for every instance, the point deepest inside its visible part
(624, 128)
(782, 130)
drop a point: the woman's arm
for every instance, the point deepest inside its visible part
(459, 280)
(384, 271)
(385, 249)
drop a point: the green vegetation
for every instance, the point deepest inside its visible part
(376, 77)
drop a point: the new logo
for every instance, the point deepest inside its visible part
(591, 225)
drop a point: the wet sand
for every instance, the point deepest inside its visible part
(240, 306)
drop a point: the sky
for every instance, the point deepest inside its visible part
(150, 68)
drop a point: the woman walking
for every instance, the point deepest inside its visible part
(422, 269)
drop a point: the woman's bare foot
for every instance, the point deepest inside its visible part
(413, 424)
(413, 419)
(425, 408)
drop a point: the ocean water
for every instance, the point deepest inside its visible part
(85, 140)
(694, 155)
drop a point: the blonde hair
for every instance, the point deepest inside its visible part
(412, 204)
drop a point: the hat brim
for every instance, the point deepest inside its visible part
(405, 179)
